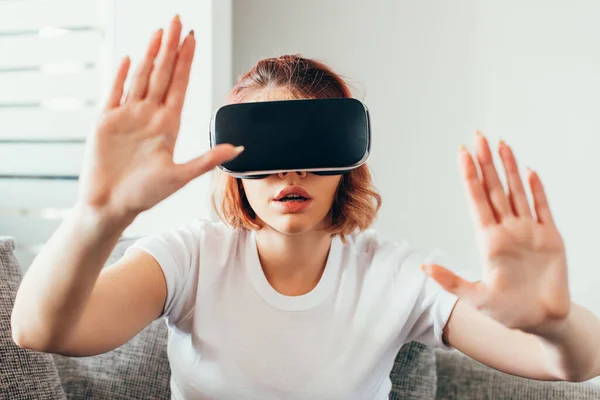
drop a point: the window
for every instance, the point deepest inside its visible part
(52, 55)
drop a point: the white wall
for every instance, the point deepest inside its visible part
(431, 73)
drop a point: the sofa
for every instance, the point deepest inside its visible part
(140, 370)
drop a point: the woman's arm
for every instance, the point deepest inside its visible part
(65, 303)
(573, 354)
(519, 318)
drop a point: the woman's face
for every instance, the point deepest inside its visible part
(293, 202)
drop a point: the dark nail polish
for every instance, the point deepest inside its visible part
(192, 32)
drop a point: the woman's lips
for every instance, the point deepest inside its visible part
(293, 199)
(291, 190)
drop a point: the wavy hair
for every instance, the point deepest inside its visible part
(356, 201)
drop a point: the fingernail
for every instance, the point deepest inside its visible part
(177, 18)
(477, 132)
(463, 148)
(160, 31)
(501, 143)
(191, 33)
(239, 149)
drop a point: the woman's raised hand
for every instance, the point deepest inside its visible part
(128, 167)
(525, 283)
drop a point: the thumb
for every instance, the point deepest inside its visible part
(453, 283)
(207, 161)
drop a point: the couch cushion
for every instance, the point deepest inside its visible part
(24, 374)
(137, 370)
(414, 374)
(460, 377)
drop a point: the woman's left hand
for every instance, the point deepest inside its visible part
(524, 283)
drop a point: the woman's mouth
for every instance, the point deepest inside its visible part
(293, 199)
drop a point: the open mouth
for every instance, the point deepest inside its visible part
(292, 197)
(292, 194)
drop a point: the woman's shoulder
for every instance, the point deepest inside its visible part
(371, 241)
(192, 235)
(379, 246)
(203, 226)
(206, 232)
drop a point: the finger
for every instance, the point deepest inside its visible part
(479, 198)
(162, 72)
(206, 162)
(540, 201)
(116, 92)
(140, 83)
(452, 283)
(491, 181)
(181, 76)
(516, 191)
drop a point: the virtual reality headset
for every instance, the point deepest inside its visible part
(321, 136)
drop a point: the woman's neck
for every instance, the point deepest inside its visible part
(293, 264)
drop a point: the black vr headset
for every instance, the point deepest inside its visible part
(322, 136)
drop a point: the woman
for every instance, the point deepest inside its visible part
(289, 302)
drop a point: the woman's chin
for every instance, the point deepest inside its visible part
(294, 224)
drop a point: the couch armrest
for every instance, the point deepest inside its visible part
(460, 377)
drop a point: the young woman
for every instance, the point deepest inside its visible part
(289, 298)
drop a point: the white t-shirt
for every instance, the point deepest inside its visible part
(232, 336)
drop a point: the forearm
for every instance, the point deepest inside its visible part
(574, 348)
(569, 351)
(508, 350)
(58, 284)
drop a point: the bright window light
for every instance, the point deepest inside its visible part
(52, 31)
(63, 104)
(65, 67)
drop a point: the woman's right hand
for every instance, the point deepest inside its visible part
(128, 166)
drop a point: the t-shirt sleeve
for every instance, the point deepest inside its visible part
(177, 252)
(433, 304)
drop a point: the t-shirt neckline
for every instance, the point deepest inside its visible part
(293, 303)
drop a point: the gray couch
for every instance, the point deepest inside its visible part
(140, 370)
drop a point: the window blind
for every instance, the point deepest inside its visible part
(52, 56)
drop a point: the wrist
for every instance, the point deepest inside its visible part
(105, 221)
(556, 331)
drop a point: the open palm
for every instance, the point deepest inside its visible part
(128, 167)
(524, 282)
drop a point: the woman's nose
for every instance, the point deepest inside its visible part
(301, 174)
